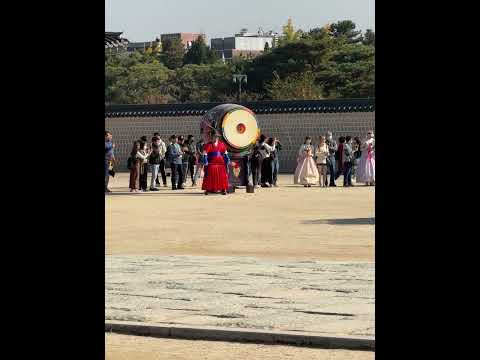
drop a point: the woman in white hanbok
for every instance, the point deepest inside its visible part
(366, 165)
(306, 172)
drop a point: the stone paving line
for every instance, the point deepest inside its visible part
(318, 297)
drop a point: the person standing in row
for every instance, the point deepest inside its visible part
(306, 172)
(266, 149)
(339, 157)
(215, 160)
(321, 155)
(191, 158)
(133, 165)
(347, 162)
(198, 155)
(143, 154)
(162, 149)
(331, 163)
(154, 162)
(357, 153)
(109, 158)
(276, 162)
(366, 164)
(184, 148)
(174, 154)
(256, 162)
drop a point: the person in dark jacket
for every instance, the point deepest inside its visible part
(331, 159)
(347, 162)
(174, 155)
(154, 162)
(339, 158)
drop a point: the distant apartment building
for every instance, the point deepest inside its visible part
(243, 44)
(136, 46)
(186, 38)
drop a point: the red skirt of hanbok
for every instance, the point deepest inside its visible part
(215, 178)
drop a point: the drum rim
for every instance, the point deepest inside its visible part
(242, 148)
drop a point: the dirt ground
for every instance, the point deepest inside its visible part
(122, 347)
(286, 222)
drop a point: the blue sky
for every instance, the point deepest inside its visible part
(143, 20)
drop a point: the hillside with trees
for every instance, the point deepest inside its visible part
(333, 61)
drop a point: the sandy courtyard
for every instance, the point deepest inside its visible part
(330, 224)
(121, 347)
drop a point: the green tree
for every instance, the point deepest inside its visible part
(173, 52)
(349, 72)
(369, 38)
(298, 86)
(199, 53)
(346, 29)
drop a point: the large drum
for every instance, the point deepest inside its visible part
(239, 130)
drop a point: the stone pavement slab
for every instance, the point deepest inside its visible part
(324, 298)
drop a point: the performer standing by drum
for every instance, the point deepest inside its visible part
(215, 160)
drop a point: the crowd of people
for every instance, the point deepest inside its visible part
(321, 163)
(350, 158)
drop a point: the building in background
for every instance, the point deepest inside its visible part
(114, 41)
(186, 38)
(243, 44)
(136, 46)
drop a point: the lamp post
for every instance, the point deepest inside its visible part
(239, 78)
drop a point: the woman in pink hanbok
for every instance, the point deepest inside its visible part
(306, 172)
(366, 164)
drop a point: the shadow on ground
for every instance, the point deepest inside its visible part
(156, 193)
(354, 221)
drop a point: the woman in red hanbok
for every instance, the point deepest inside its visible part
(215, 160)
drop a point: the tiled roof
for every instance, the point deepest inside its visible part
(260, 107)
(113, 39)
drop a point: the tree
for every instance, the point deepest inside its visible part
(199, 53)
(173, 52)
(299, 86)
(349, 71)
(289, 33)
(346, 29)
(369, 38)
